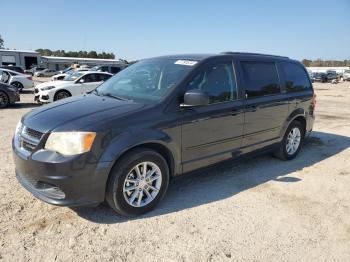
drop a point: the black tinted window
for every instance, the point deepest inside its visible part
(90, 78)
(104, 68)
(103, 77)
(261, 79)
(218, 81)
(115, 69)
(296, 78)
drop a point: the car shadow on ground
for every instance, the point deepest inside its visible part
(20, 105)
(27, 91)
(226, 181)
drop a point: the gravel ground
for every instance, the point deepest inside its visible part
(261, 209)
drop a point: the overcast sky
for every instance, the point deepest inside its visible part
(139, 29)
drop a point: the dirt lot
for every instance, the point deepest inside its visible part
(263, 209)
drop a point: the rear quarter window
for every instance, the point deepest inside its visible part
(296, 78)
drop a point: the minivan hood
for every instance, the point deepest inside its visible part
(77, 113)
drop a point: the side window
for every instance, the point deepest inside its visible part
(261, 79)
(103, 77)
(296, 78)
(90, 78)
(218, 81)
(104, 69)
(115, 69)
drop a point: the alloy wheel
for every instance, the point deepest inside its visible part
(293, 140)
(142, 184)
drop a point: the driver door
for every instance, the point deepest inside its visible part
(213, 133)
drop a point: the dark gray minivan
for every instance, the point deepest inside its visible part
(159, 118)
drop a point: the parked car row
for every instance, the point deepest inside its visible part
(329, 76)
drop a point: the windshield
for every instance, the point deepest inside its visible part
(73, 76)
(148, 80)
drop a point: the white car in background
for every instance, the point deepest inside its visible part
(63, 75)
(18, 80)
(46, 72)
(75, 84)
(346, 75)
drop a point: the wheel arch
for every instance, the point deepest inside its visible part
(61, 90)
(298, 115)
(157, 146)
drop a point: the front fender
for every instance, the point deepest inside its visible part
(123, 142)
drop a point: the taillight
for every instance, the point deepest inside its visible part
(29, 78)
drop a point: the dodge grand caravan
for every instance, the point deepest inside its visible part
(159, 118)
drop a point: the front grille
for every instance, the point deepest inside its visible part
(27, 139)
(33, 133)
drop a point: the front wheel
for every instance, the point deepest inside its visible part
(138, 182)
(61, 95)
(4, 100)
(292, 141)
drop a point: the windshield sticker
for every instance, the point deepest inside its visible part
(185, 62)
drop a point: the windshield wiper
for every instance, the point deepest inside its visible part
(113, 96)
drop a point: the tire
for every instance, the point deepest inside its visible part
(18, 85)
(61, 95)
(282, 152)
(4, 100)
(132, 202)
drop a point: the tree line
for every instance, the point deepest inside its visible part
(80, 54)
(320, 63)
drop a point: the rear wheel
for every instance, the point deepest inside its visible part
(292, 141)
(4, 100)
(61, 95)
(18, 85)
(138, 182)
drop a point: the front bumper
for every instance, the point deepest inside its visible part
(62, 181)
(42, 97)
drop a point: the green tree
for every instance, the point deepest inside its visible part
(306, 62)
(1, 43)
(80, 54)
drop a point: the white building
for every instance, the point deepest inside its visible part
(27, 59)
(19, 58)
(324, 69)
(58, 63)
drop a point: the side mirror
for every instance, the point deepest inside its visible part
(80, 81)
(195, 97)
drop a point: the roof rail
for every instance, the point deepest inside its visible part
(246, 53)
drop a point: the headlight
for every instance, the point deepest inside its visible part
(47, 88)
(70, 143)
